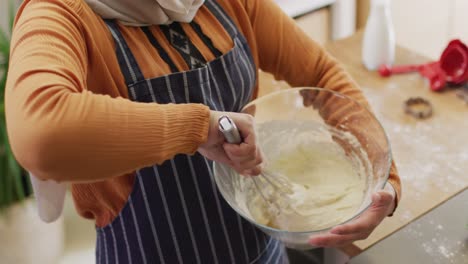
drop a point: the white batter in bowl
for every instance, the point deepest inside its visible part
(310, 135)
(329, 185)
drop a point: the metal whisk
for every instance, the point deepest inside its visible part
(273, 188)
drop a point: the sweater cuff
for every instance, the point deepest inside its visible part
(189, 126)
(389, 188)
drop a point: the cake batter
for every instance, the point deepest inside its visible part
(328, 185)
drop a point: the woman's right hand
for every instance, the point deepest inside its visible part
(246, 157)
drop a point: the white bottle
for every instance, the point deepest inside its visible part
(378, 46)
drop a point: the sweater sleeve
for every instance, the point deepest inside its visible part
(59, 130)
(290, 55)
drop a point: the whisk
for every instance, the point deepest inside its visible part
(273, 187)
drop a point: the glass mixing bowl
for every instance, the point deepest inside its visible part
(332, 111)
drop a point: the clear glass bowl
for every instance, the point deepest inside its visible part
(328, 109)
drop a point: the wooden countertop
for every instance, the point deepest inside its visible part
(433, 238)
(431, 155)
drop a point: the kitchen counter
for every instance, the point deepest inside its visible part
(431, 155)
(440, 237)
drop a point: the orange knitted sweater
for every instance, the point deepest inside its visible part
(68, 115)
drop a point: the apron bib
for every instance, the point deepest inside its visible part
(175, 213)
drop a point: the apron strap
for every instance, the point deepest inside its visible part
(206, 40)
(222, 17)
(128, 64)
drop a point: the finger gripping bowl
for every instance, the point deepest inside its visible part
(319, 107)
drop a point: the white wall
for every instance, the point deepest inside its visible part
(427, 26)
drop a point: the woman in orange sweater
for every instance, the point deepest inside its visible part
(121, 98)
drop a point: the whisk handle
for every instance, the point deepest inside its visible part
(229, 130)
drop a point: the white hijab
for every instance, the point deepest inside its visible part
(146, 12)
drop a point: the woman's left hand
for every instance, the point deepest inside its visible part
(383, 203)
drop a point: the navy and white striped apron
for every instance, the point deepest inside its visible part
(175, 213)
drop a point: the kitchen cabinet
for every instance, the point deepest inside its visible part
(342, 14)
(321, 20)
(317, 25)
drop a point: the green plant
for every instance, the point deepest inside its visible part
(14, 183)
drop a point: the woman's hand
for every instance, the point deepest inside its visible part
(383, 203)
(244, 158)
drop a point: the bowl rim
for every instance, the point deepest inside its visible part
(359, 212)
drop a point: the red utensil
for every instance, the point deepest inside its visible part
(386, 71)
(452, 67)
(434, 74)
(454, 62)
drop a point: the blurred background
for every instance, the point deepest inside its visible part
(424, 26)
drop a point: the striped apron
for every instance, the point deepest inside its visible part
(175, 213)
